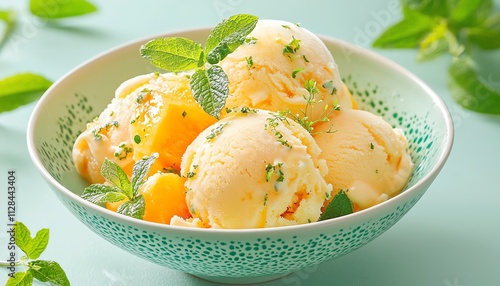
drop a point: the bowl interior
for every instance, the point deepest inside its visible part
(377, 84)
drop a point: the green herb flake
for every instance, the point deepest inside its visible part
(372, 146)
(216, 131)
(184, 113)
(305, 58)
(250, 40)
(292, 47)
(286, 26)
(296, 71)
(249, 62)
(137, 139)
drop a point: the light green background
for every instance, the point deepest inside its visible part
(450, 238)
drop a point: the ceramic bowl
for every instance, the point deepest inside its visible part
(239, 256)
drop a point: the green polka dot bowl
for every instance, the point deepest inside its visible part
(250, 255)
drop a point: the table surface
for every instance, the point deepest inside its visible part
(450, 238)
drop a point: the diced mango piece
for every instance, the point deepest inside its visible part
(166, 123)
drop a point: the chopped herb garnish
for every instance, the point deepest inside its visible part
(250, 40)
(137, 139)
(328, 85)
(123, 151)
(190, 174)
(292, 47)
(296, 71)
(305, 59)
(271, 169)
(372, 146)
(115, 123)
(170, 170)
(273, 123)
(184, 113)
(265, 199)
(216, 131)
(286, 26)
(97, 135)
(249, 62)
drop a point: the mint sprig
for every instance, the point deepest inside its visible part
(42, 270)
(120, 188)
(455, 27)
(339, 206)
(209, 83)
(55, 9)
(21, 89)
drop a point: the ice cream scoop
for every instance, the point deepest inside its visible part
(366, 156)
(254, 169)
(270, 71)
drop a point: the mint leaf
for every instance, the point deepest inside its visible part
(48, 271)
(339, 206)
(228, 35)
(116, 176)
(470, 13)
(134, 208)
(407, 33)
(21, 89)
(9, 18)
(99, 193)
(140, 171)
(54, 9)
(22, 236)
(20, 279)
(487, 36)
(434, 44)
(429, 7)
(469, 90)
(173, 54)
(38, 244)
(210, 89)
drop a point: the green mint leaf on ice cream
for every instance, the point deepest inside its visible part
(339, 206)
(120, 188)
(209, 83)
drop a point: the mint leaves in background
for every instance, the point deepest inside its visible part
(456, 27)
(209, 83)
(42, 270)
(55, 9)
(21, 89)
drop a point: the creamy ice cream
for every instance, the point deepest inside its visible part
(149, 113)
(365, 156)
(270, 72)
(254, 169)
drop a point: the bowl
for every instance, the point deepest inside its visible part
(249, 255)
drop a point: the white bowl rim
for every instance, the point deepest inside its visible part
(428, 178)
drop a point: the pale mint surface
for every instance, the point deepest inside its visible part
(451, 237)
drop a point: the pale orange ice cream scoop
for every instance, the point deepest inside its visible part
(254, 169)
(365, 156)
(270, 70)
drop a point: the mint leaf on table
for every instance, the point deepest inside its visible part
(20, 279)
(48, 271)
(228, 35)
(55, 9)
(173, 54)
(407, 33)
(339, 206)
(21, 89)
(42, 270)
(210, 89)
(469, 90)
(8, 17)
(121, 188)
(32, 247)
